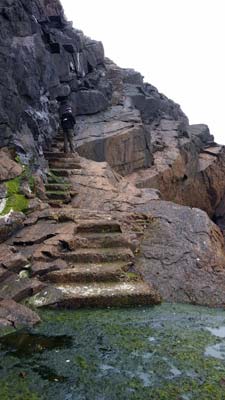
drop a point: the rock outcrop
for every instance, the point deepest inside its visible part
(182, 255)
(113, 224)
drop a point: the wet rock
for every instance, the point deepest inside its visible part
(97, 295)
(17, 315)
(19, 289)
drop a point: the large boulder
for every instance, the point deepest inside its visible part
(182, 255)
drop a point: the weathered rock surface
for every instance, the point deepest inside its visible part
(187, 168)
(9, 169)
(16, 315)
(182, 255)
(9, 224)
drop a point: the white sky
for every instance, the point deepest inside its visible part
(178, 45)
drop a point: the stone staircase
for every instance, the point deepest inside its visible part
(97, 264)
(99, 271)
(61, 166)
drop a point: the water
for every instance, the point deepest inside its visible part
(169, 352)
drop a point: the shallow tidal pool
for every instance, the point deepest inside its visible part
(169, 352)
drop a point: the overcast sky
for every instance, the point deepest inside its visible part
(177, 45)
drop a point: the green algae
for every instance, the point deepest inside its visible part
(18, 390)
(139, 354)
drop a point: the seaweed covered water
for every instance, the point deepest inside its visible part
(169, 352)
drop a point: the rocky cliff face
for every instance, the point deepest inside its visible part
(43, 59)
(136, 148)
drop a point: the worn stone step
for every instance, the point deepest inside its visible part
(61, 172)
(58, 195)
(57, 186)
(97, 295)
(105, 239)
(101, 226)
(89, 273)
(57, 155)
(56, 203)
(53, 179)
(67, 163)
(99, 255)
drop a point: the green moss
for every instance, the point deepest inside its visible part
(13, 186)
(15, 200)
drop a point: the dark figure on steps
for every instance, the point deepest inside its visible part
(68, 122)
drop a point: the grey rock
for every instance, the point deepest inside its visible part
(90, 102)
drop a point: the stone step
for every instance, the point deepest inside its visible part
(105, 239)
(90, 273)
(96, 255)
(56, 203)
(61, 172)
(57, 155)
(58, 195)
(53, 179)
(97, 295)
(64, 163)
(101, 226)
(57, 186)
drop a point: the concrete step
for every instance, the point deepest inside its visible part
(102, 226)
(105, 239)
(98, 255)
(97, 295)
(90, 273)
